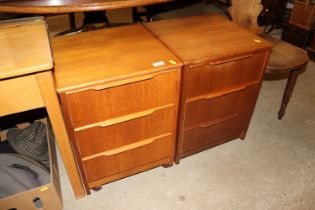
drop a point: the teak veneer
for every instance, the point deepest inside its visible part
(119, 90)
(26, 82)
(221, 78)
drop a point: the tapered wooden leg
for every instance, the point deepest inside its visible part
(288, 92)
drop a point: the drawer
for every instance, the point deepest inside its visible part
(20, 94)
(212, 133)
(226, 76)
(214, 109)
(97, 139)
(125, 159)
(103, 103)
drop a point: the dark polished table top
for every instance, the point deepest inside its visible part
(68, 6)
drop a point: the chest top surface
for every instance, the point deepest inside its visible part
(108, 55)
(209, 37)
(24, 47)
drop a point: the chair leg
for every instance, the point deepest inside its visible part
(288, 92)
(72, 21)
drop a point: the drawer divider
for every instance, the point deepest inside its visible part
(126, 147)
(123, 118)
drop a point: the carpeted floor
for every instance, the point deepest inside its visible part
(274, 168)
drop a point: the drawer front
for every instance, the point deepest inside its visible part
(217, 108)
(90, 106)
(219, 78)
(213, 133)
(110, 164)
(97, 139)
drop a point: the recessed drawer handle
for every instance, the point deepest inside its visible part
(119, 82)
(127, 147)
(229, 118)
(231, 59)
(123, 82)
(226, 93)
(214, 95)
(123, 118)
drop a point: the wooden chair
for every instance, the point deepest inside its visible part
(284, 58)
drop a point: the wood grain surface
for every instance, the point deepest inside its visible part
(24, 47)
(160, 148)
(26, 82)
(129, 132)
(221, 78)
(285, 57)
(119, 90)
(219, 107)
(48, 92)
(213, 78)
(19, 95)
(125, 53)
(89, 107)
(208, 38)
(209, 135)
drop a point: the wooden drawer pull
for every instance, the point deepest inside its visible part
(225, 93)
(231, 59)
(123, 118)
(123, 82)
(127, 147)
(119, 82)
(229, 118)
(214, 95)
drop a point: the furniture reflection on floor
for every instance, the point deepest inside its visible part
(284, 58)
(120, 104)
(228, 63)
(26, 82)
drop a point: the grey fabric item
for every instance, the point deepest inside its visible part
(19, 173)
(30, 141)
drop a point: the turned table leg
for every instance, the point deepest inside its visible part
(288, 92)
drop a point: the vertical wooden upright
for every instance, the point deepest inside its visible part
(26, 82)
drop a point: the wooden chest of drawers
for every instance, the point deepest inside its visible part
(119, 90)
(221, 78)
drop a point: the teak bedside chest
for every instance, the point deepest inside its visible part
(221, 78)
(119, 91)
